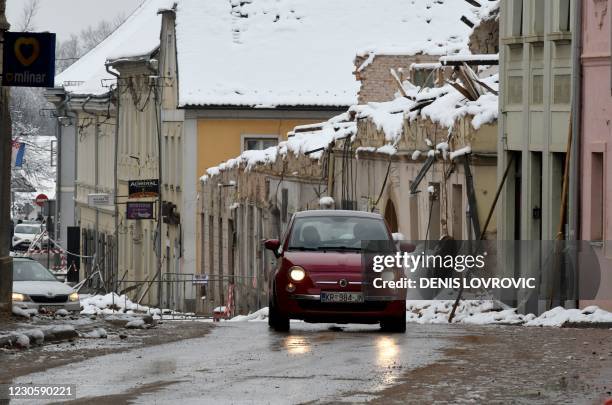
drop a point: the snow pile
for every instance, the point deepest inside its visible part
(112, 303)
(36, 336)
(387, 149)
(460, 152)
(447, 106)
(479, 312)
(97, 333)
(22, 341)
(61, 312)
(560, 316)
(25, 313)
(388, 116)
(257, 316)
(484, 312)
(326, 203)
(318, 38)
(136, 323)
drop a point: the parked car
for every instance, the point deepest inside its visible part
(25, 234)
(319, 275)
(35, 287)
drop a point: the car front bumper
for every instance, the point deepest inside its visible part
(71, 306)
(309, 308)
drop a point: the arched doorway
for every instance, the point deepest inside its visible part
(391, 216)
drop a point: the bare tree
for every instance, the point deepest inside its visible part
(30, 9)
(70, 50)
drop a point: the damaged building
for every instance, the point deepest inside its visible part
(426, 159)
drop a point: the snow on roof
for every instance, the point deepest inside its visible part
(137, 36)
(267, 53)
(447, 107)
(311, 143)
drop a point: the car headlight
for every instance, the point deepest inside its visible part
(19, 297)
(296, 273)
(387, 275)
(73, 297)
(15, 239)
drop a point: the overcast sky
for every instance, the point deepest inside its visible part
(65, 17)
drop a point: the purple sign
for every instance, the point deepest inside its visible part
(139, 210)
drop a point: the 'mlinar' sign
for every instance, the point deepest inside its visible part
(28, 59)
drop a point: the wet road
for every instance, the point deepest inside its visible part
(247, 363)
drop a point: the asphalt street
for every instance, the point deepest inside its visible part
(245, 362)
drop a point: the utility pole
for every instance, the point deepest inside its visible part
(6, 262)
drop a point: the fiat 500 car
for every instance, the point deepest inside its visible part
(320, 275)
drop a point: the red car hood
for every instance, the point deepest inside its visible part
(329, 261)
(327, 266)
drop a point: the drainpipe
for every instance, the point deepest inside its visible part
(573, 221)
(115, 175)
(58, 171)
(573, 231)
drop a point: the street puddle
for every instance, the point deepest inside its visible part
(296, 345)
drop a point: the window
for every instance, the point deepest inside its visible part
(423, 77)
(597, 201)
(564, 15)
(516, 18)
(413, 204)
(211, 246)
(537, 90)
(284, 204)
(562, 89)
(259, 142)
(433, 232)
(458, 212)
(340, 232)
(515, 90)
(538, 17)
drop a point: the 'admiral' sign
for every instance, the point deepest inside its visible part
(28, 59)
(143, 188)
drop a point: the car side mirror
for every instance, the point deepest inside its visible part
(407, 247)
(273, 245)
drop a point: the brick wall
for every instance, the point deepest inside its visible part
(377, 83)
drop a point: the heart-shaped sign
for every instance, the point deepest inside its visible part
(25, 42)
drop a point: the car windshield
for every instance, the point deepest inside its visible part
(335, 232)
(27, 229)
(29, 270)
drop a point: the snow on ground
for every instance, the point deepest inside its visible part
(478, 312)
(25, 313)
(559, 316)
(112, 303)
(486, 312)
(257, 316)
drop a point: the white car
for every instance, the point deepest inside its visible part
(25, 234)
(35, 287)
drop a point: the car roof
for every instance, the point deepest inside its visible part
(337, 213)
(21, 258)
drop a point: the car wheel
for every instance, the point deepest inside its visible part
(277, 321)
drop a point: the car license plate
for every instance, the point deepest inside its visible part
(343, 297)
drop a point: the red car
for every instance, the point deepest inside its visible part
(320, 277)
